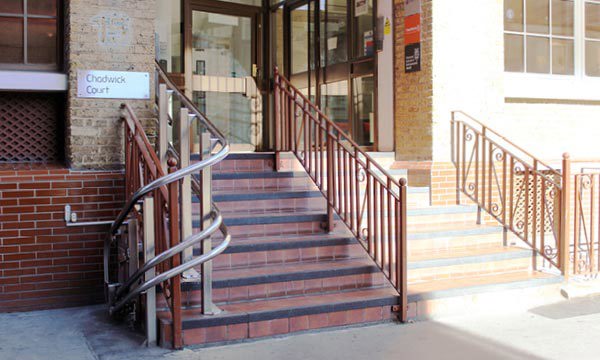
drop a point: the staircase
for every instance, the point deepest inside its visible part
(316, 235)
(282, 273)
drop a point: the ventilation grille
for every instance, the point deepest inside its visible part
(29, 128)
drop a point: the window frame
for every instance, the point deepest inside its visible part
(25, 66)
(574, 87)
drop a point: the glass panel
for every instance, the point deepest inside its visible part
(364, 34)
(337, 32)
(538, 14)
(592, 21)
(11, 40)
(41, 41)
(11, 6)
(42, 7)
(513, 53)
(538, 55)
(364, 109)
(563, 57)
(592, 58)
(167, 27)
(222, 48)
(299, 39)
(562, 17)
(513, 15)
(334, 102)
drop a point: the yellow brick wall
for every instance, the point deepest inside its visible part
(93, 129)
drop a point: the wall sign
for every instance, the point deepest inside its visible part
(412, 36)
(113, 28)
(113, 84)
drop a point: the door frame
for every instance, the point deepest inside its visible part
(353, 68)
(255, 14)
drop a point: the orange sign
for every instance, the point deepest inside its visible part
(412, 29)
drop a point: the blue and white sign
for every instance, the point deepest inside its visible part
(113, 84)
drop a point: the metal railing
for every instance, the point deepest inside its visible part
(156, 201)
(586, 227)
(365, 197)
(527, 196)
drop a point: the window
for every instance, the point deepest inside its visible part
(29, 38)
(557, 37)
(539, 36)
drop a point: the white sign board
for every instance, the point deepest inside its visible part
(113, 84)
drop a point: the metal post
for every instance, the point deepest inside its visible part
(402, 260)
(149, 253)
(208, 306)
(186, 186)
(163, 126)
(565, 212)
(132, 247)
(278, 119)
(330, 179)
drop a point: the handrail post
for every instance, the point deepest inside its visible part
(186, 186)
(163, 126)
(330, 180)
(149, 253)
(173, 204)
(208, 306)
(402, 256)
(565, 210)
(277, 118)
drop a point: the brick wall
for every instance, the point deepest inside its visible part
(43, 263)
(115, 35)
(414, 91)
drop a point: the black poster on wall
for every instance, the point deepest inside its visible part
(412, 58)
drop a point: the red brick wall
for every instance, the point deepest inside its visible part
(43, 263)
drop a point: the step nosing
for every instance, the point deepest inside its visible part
(269, 219)
(465, 260)
(485, 288)
(258, 175)
(264, 315)
(274, 195)
(453, 233)
(284, 277)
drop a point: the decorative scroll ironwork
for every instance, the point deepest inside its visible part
(586, 240)
(518, 190)
(368, 200)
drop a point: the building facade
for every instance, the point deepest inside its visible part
(387, 72)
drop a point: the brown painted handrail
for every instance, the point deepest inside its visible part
(370, 202)
(526, 196)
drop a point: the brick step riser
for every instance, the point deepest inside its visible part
(259, 329)
(292, 228)
(193, 298)
(274, 184)
(271, 205)
(466, 241)
(287, 256)
(243, 165)
(468, 270)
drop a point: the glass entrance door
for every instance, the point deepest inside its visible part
(223, 62)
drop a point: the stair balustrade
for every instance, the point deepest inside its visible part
(158, 191)
(365, 197)
(526, 196)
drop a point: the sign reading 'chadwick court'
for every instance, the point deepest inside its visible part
(113, 84)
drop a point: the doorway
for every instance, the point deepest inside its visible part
(222, 69)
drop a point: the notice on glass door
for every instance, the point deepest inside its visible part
(361, 7)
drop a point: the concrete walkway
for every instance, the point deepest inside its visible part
(569, 330)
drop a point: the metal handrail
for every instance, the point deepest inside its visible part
(367, 199)
(125, 292)
(529, 201)
(500, 136)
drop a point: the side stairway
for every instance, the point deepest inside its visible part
(282, 273)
